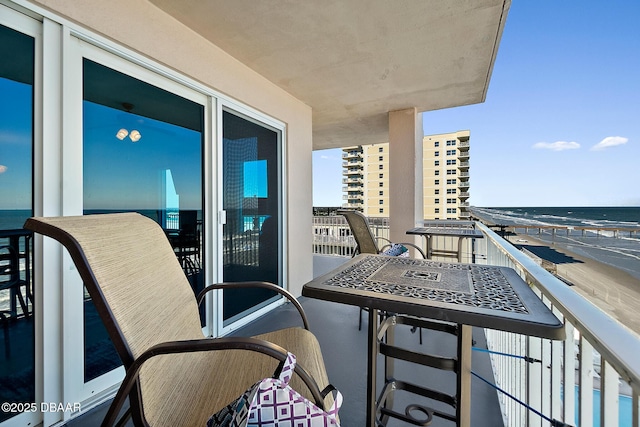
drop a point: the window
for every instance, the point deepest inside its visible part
(380, 158)
(451, 152)
(380, 167)
(437, 154)
(436, 201)
(437, 191)
(436, 182)
(451, 142)
(451, 191)
(380, 184)
(437, 172)
(381, 210)
(381, 202)
(451, 171)
(380, 149)
(451, 210)
(381, 175)
(381, 193)
(451, 182)
(436, 144)
(451, 201)
(437, 210)
(436, 163)
(451, 162)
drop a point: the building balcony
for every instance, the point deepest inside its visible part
(352, 197)
(463, 165)
(352, 180)
(463, 195)
(352, 170)
(352, 155)
(352, 164)
(463, 145)
(597, 361)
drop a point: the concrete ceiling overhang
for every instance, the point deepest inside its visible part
(353, 61)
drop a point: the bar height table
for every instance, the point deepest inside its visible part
(459, 229)
(464, 294)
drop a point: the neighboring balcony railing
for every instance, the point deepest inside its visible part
(586, 380)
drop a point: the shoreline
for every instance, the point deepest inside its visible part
(613, 290)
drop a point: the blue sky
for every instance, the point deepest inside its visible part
(561, 122)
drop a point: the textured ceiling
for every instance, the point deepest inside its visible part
(353, 61)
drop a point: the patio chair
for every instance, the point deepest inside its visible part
(174, 375)
(365, 240)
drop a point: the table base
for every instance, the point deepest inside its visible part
(382, 342)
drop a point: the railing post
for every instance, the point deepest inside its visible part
(585, 418)
(534, 380)
(557, 356)
(569, 376)
(609, 394)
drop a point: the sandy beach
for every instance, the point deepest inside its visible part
(613, 290)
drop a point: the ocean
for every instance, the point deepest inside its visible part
(622, 252)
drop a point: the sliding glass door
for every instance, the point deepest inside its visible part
(252, 201)
(142, 151)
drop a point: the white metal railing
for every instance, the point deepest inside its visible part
(598, 364)
(599, 357)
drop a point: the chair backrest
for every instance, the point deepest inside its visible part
(132, 275)
(361, 231)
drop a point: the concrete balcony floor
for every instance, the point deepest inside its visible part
(344, 350)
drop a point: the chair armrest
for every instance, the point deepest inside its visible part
(205, 344)
(416, 247)
(389, 242)
(264, 285)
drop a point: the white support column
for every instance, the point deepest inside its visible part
(405, 173)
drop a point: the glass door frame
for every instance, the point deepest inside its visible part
(279, 128)
(75, 389)
(31, 27)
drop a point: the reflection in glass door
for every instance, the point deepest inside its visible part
(17, 354)
(142, 152)
(252, 244)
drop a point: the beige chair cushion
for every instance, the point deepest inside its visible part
(204, 383)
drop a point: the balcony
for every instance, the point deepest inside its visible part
(598, 360)
(352, 155)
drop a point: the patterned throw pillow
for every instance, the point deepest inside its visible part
(397, 250)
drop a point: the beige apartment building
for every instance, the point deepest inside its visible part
(445, 177)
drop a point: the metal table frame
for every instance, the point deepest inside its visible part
(460, 231)
(381, 283)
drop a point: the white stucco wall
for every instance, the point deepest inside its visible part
(140, 26)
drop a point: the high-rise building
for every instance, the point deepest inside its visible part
(445, 177)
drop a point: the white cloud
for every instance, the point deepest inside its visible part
(610, 141)
(557, 146)
(3, 168)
